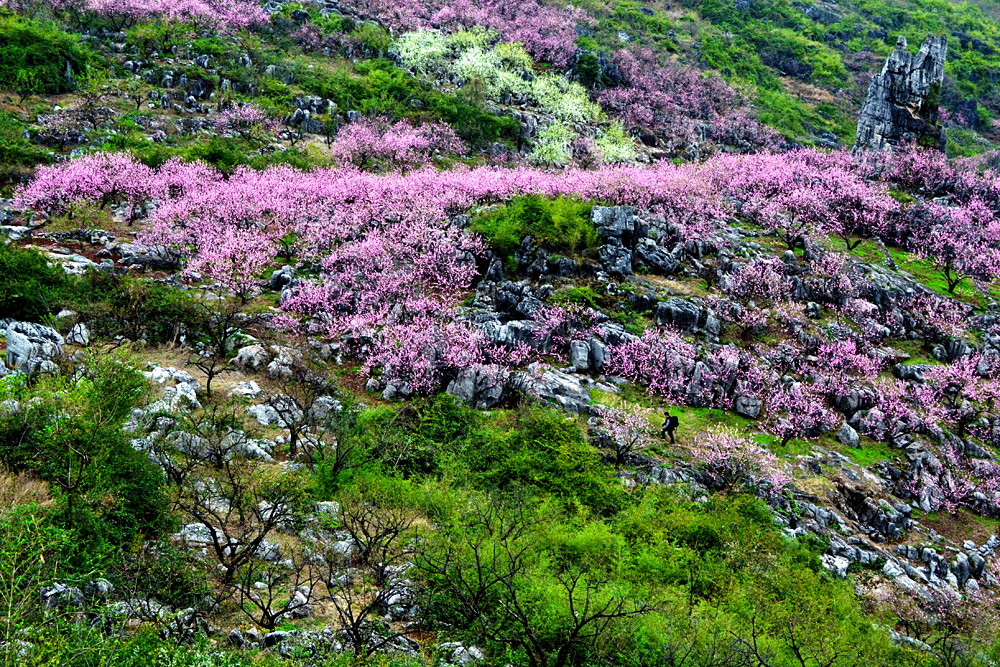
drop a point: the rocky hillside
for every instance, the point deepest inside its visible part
(350, 333)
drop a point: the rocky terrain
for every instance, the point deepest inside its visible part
(346, 333)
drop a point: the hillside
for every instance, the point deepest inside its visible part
(350, 333)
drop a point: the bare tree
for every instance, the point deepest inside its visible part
(379, 528)
(269, 592)
(381, 531)
(357, 602)
(304, 405)
(240, 502)
(216, 328)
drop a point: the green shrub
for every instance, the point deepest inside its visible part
(35, 57)
(560, 224)
(213, 46)
(132, 307)
(107, 494)
(546, 453)
(15, 149)
(377, 87)
(30, 288)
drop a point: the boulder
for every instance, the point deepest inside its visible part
(79, 335)
(152, 257)
(848, 437)
(31, 348)
(61, 596)
(579, 356)
(252, 357)
(747, 406)
(555, 387)
(194, 533)
(837, 565)
(459, 655)
(247, 389)
(282, 278)
(616, 259)
(478, 388)
(902, 102)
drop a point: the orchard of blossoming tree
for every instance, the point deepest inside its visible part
(477, 333)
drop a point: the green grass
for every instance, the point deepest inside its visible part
(919, 270)
(914, 348)
(871, 452)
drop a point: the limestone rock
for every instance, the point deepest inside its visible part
(32, 347)
(902, 102)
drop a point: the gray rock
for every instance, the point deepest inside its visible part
(902, 106)
(327, 508)
(246, 389)
(579, 356)
(155, 258)
(79, 335)
(31, 348)
(98, 589)
(276, 637)
(61, 596)
(253, 357)
(616, 259)
(597, 354)
(268, 551)
(194, 533)
(837, 565)
(477, 388)
(460, 655)
(848, 437)
(688, 316)
(554, 387)
(282, 278)
(747, 406)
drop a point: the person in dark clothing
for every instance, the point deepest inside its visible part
(670, 423)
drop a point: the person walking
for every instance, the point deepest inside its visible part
(670, 423)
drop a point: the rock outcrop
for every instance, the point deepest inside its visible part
(902, 102)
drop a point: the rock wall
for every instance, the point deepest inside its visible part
(902, 102)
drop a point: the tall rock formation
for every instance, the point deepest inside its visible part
(902, 102)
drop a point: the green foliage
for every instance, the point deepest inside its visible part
(615, 145)
(16, 151)
(377, 87)
(496, 569)
(547, 453)
(132, 307)
(159, 35)
(213, 46)
(69, 433)
(553, 145)
(35, 56)
(164, 573)
(30, 288)
(560, 224)
(963, 142)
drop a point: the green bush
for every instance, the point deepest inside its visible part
(30, 288)
(377, 87)
(132, 307)
(561, 224)
(544, 452)
(15, 149)
(35, 57)
(69, 433)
